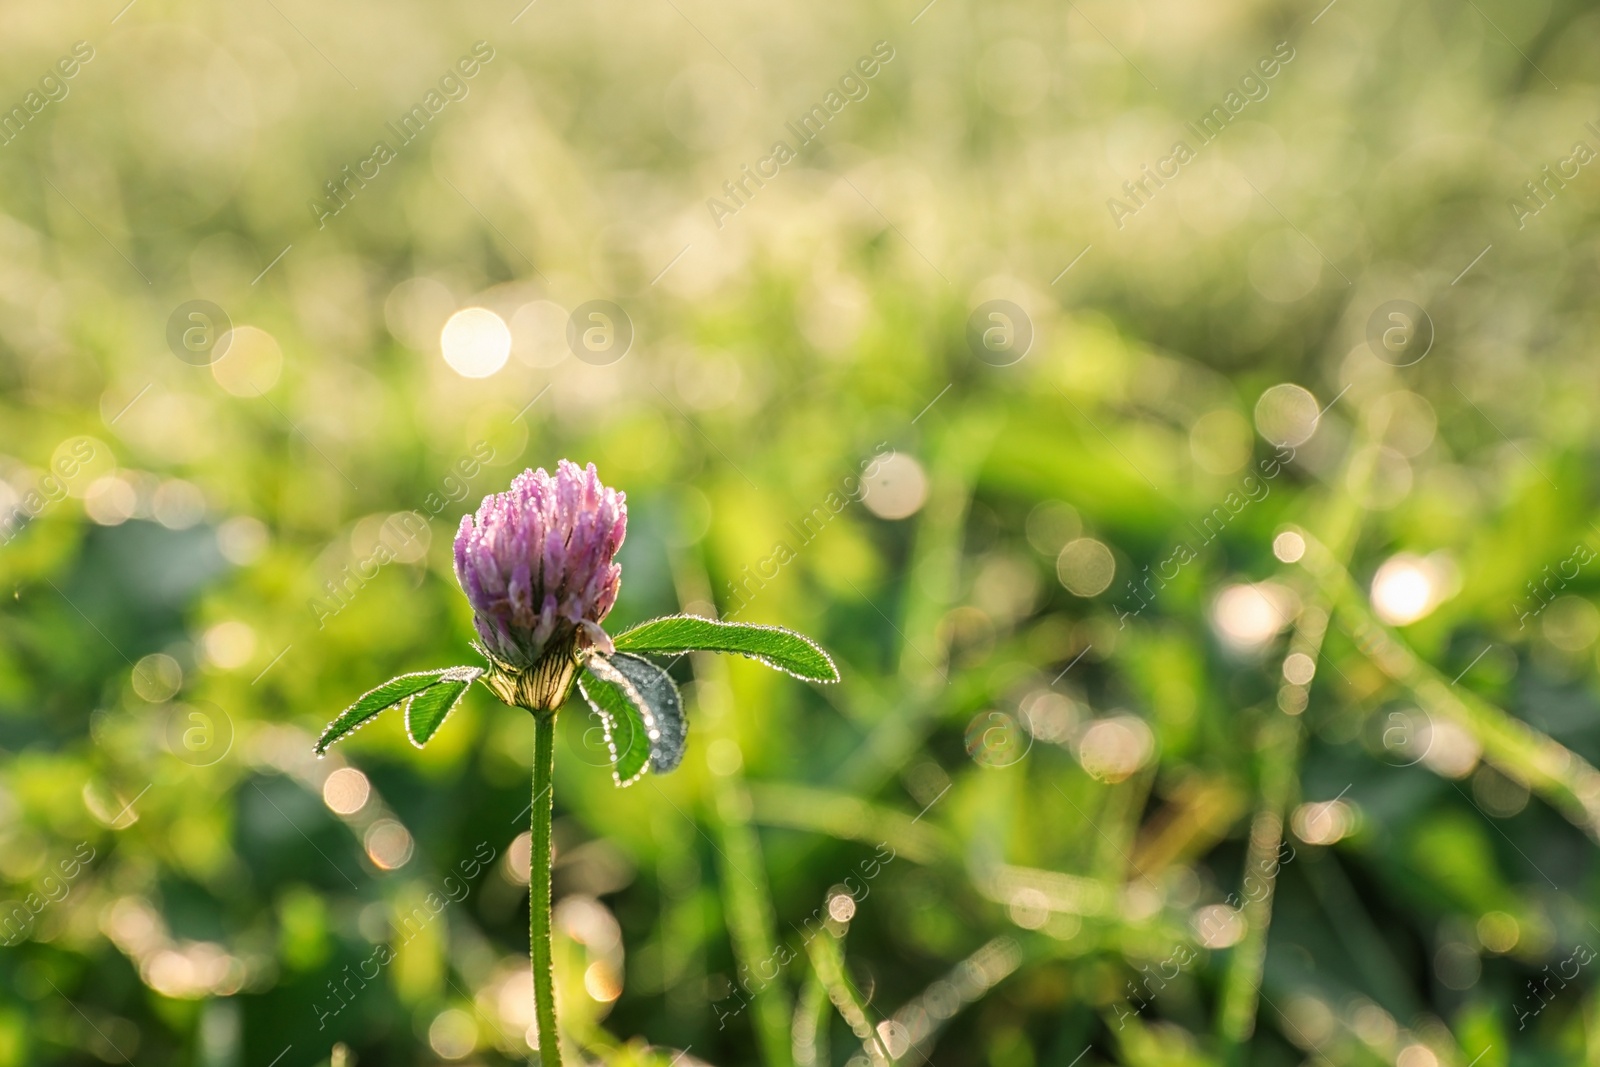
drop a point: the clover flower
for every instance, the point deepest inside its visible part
(538, 565)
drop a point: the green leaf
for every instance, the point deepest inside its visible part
(661, 707)
(624, 727)
(642, 713)
(390, 694)
(427, 711)
(772, 645)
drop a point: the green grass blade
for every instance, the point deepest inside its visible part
(1567, 781)
(845, 817)
(746, 892)
(808, 1038)
(827, 959)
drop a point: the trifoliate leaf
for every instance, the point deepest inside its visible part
(391, 693)
(772, 645)
(641, 709)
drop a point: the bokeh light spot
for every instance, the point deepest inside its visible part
(346, 791)
(251, 363)
(1289, 547)
(1323, 822)
(1085, 567)
(602, 982)
(389, 844)
(1248, 616)
(1287, 415)
(1113, 749)
(157, 677)
(1498, 932)
(229, 645)
(110, 501)
(1408, 587)
(453, 1034)
(896, 487)
(1219, 926)
(1299, 668)
(476, 342)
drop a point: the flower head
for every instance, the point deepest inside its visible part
(537, 563)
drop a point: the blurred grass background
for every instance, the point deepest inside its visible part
(1319, 791)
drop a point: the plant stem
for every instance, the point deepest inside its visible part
(544, 994)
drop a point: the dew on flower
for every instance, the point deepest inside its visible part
(538, 566)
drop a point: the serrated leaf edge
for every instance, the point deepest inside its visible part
(826, 658)
(652, 727)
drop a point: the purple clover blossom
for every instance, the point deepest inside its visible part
(537, 564)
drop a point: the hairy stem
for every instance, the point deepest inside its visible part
(544, 993)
